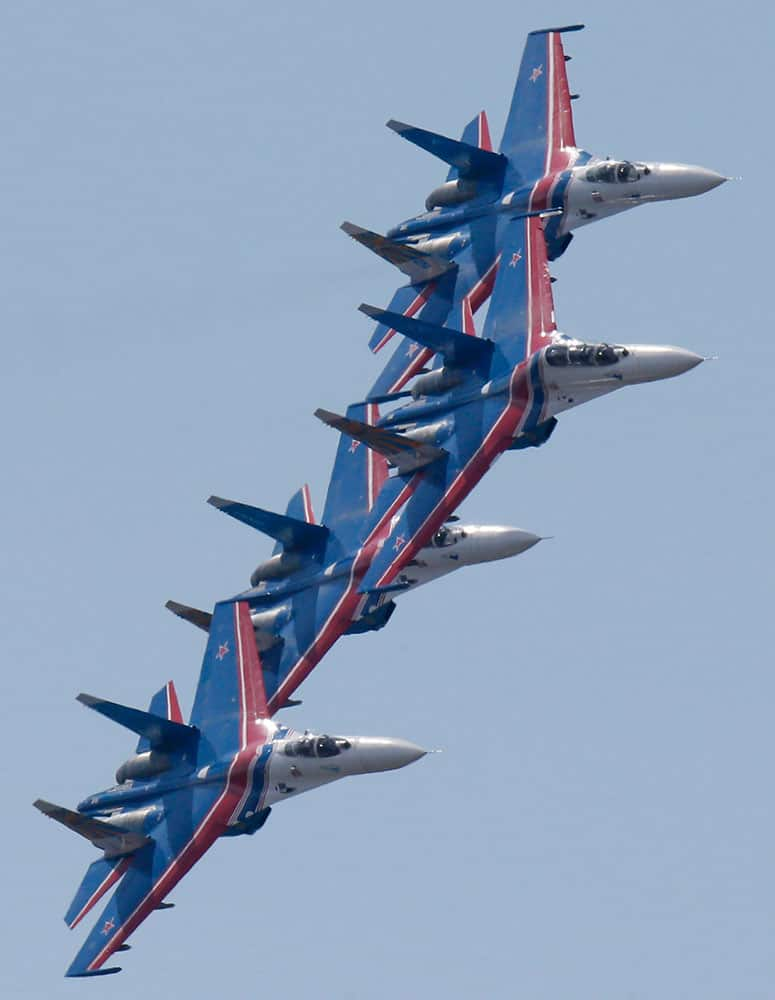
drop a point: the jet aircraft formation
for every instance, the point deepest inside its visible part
(448, 402)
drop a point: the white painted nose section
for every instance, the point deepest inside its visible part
(384, 753)
(490, 542)
(652, 362)
(681, 180)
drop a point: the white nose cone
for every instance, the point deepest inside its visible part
(651, 362)
(680, 180)
(383, 753)
(513, 541)
(487, 542)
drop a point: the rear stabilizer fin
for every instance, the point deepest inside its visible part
(458, 349)
(403, 452)
(417, 265)
(357, 478)
(113, 840)
(472, 162)
(201, 619)
(476, 133)
(292, 532)
(160, 732)
(164, 703)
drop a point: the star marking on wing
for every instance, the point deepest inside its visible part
(399, 543)
(354, 446)
(515, 258)
(538, 71)
(223, 649)
(412, 350)
(108, 926)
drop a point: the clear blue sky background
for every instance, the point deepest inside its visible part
(176, 301)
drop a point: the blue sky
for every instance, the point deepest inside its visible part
(177, 300)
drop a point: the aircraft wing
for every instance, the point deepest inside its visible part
(539, 136)
(520, 319)
(230, 696)
(194, 819)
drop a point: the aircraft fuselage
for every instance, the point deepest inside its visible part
(282, 762)
(591, 188)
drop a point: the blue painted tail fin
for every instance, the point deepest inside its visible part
(457, 348)
(471, 162)
(159, 732)
(300, 509)
(164, 703)
(293, 533)
(356, 479)
(476, 133)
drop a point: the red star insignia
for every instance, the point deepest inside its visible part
(515, 258)
(108, 926)
(223, 649)
(399, 543)
(536, 73)
(354, 446)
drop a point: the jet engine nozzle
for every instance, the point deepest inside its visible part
(384, 753)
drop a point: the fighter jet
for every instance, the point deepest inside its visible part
(306, 595)
(490, 394)
(451, 252)
(187, 785)
(399, 477)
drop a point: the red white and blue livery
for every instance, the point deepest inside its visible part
(190, 784)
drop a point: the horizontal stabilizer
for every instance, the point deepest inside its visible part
(471, 162)
(459, 349)
(201, 619)
(293, 533)
(161, 733)
(417, 265)
(113, 840)
(403, 452)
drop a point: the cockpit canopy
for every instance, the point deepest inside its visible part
(561, 355)
(613, 171)
(316, 746)
(444, 538)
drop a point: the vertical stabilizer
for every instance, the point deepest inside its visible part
(300, 508)
(165, 704)
(356, 480)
